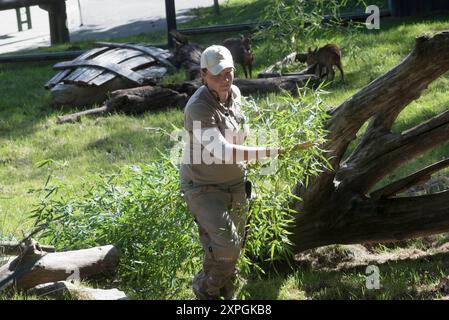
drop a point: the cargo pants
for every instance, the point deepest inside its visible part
(220, 213)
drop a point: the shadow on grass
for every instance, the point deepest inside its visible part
(409, 279)
(24, 101)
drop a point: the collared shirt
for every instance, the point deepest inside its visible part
(205, 108)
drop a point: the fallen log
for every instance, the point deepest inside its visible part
(149, 98)
(132, 101)
(35, 267)
(69, 95)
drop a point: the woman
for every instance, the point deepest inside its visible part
(213, 176)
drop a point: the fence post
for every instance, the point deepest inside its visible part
(217, 7)
(170, 13)
(20, 21)
(57, 20)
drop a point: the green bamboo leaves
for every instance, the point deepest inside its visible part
(140, 210)
(293, 119)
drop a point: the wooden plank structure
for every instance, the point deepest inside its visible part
(57, 15)
(137, 63)
(87, 79)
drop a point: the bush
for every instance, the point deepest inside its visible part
(292, 119)
(297, 24)
(139, 210)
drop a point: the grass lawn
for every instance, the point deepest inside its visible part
(29, 135)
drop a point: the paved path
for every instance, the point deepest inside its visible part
(96, 19)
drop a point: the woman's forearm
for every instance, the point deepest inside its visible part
(223, 150)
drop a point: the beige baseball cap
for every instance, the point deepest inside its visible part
(216, 58)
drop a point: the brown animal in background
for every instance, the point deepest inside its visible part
(241, 52)
(187, 55)
(326, 58)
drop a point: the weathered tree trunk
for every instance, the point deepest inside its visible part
(132, 101)
(339, 205)
(35, 267)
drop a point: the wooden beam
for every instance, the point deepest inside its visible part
(57, 19)
(266, 24)
(54, 56)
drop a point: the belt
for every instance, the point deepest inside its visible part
(223, 187)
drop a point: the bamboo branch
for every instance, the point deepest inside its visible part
(76, 117)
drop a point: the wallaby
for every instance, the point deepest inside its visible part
(241, 52)
(187, 55)
(326, 58)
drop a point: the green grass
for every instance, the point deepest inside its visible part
(399, 280)
(29, 135)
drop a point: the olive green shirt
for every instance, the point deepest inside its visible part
(203, 106)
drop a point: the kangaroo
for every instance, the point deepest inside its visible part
(241, 52)
(187, 55)
(326, 58)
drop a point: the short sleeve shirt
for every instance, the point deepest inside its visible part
(204, 109)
